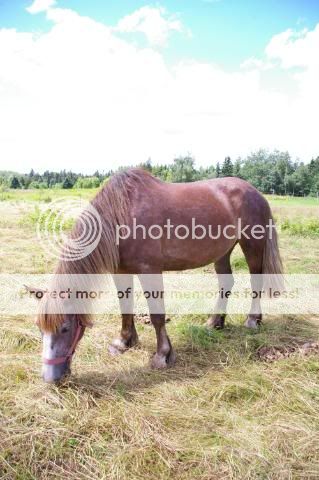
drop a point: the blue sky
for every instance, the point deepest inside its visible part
(98, 84)
(223, 31)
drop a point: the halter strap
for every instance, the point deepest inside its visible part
(57, 361)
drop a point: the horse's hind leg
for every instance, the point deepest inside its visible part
(253, 250)
(226, 283)
(153, 289)
(128, 335)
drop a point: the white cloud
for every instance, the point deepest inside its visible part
(80, 97)
(256, 63)
(40, 6)
(154, 22)
(301, 50)
(295, 49)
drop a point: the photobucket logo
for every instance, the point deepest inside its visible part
(56, 221)
(195, 232)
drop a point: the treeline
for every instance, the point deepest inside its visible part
(63, 179)
(270, 172)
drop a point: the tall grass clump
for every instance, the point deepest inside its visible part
(47, 219)
(309, 227)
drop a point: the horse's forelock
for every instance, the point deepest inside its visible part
(50, 315)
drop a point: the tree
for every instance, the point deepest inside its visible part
(270, 172)
(183, 169)
(67, 183)
(227, 168)
(15, 182)
(237, 168)
(147, 165)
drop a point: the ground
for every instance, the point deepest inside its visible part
(221, 413)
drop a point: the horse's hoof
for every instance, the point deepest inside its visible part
(160, 362)
(252, 322)
(117, 347)
(216, 321)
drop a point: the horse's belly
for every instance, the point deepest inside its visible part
(183, 255)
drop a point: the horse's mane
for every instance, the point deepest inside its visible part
(112, 203)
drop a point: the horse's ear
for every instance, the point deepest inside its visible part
(37, 293)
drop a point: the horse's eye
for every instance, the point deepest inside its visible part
(64, 329)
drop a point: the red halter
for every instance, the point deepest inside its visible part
(78, 334)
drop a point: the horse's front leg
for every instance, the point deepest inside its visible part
(153, 289)
(128, 336)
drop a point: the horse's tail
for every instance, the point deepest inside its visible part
(272, 269)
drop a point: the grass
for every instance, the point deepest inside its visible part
(46, 218)
(220, 413)
(46, 195)
(308, 227)
(289, 201)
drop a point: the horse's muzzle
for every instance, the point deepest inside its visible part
(55, 373)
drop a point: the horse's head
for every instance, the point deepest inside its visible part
(61, 332)
(59, 347)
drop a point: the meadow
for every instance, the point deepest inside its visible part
(220, 413)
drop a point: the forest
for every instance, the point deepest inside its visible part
(270, 172)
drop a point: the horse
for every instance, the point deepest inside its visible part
(133, 197)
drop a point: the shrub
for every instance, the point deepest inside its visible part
(308, 227)
(47, 219)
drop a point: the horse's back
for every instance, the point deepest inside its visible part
(227, 197)
(212, 205)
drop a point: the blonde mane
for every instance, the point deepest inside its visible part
(112, 203)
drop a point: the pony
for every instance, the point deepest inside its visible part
(134, 197)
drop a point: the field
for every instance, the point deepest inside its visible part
(221, 413)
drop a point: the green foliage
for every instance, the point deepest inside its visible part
(227, 168)
(270, 172)
(14, 183)
(183, 169)
(67, 183)
(87, 182)
(38, 185)
(303, 227)
(47, 220)
(199, 335)
(275, 172)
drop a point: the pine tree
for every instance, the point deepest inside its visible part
(15, 182)
(227, 168)
(67, 183)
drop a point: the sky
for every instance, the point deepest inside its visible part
(96, 85)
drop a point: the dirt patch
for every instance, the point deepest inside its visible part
(272, 354)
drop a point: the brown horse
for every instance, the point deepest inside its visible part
(135, 197)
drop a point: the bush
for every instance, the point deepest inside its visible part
(87, 182)
(48, 219)
(301, 227)
(38, 185)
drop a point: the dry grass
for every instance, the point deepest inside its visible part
(219, 414)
